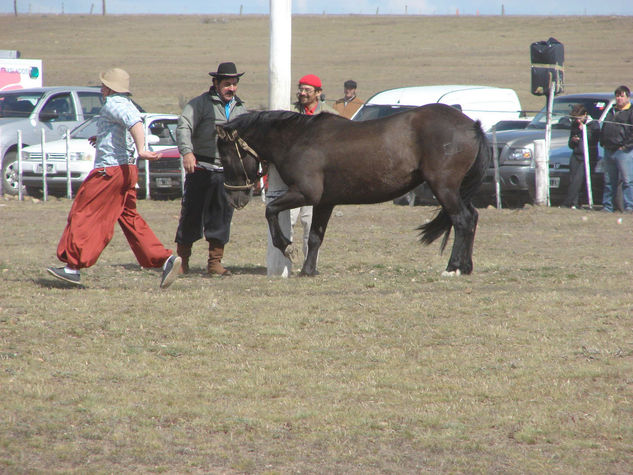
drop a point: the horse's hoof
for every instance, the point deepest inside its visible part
(306, 274)
(454, 273)
(291, 252)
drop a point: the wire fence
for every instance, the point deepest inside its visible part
(60, 169)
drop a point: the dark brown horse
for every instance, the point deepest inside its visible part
(327, 160)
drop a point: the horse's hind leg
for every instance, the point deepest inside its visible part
(464, 220)
(465, 225)
(320, 218)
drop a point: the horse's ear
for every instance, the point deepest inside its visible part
(221, 132)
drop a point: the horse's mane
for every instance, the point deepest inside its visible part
(262, 120)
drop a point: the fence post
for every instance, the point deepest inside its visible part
(20, 192)
(146, 164)
(69, 188)
(585, 149)
(495, 160)
(44, 166)
(541, 173)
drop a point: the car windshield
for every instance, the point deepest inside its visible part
(371, 111)
(561, 111)
(86, 129)
(18, 104)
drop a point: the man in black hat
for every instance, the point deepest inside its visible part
(349, 103)
(205, 210)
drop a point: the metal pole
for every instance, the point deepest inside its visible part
(495, 161)
(44, 166)
(548, 136)
(69, 188)
(147, 192)
(20, 192)
(585, 149)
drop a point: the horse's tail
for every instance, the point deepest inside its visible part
(442, 224)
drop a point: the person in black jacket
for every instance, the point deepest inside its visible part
(616, 137)
(581, 123)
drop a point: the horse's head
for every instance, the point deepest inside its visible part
(240, 164)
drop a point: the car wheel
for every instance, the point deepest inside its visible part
(10, 174)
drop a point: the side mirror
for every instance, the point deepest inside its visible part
(48, 116)
(152, 139)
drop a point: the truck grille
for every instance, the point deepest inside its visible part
(49, 156)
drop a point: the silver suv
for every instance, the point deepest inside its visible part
(52, 109)
(515, 148)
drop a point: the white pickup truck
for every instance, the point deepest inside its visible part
(52, 109)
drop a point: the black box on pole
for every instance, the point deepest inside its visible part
(547, 59)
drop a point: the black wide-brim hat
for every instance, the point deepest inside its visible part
(226, 70)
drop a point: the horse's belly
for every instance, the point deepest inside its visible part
(364, 195)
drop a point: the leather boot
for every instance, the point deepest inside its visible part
(214, 265)
(184, 252)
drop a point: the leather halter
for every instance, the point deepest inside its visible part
(240, 144)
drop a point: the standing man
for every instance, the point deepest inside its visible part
(616, 137)
(581, 125)
(108, 193)
(349, 103)
(205, 210)
(309, 103)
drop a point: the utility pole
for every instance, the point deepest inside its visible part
(15, 7)
(103, 3)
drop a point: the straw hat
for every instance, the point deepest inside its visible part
(116, 79)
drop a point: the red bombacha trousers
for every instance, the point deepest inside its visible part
(106, 196)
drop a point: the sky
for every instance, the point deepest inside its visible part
(338, 7)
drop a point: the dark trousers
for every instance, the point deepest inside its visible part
(576, 180)
(205, 210)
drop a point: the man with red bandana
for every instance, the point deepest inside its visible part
(309, 103)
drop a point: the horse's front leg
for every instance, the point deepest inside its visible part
(290, 199)
(320, 218)
(280, 241)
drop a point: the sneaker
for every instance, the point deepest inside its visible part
(62, 274)
(170, 271)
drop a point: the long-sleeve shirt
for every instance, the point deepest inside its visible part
(115, 145)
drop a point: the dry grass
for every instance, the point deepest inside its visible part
(378, 365)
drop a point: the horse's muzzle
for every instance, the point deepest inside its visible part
(238, 199)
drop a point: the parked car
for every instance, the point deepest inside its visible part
(55, 110)
(167, 176)
(511, 124)
(160, 130)
(515, 148)
(487, 104)
(484, 103)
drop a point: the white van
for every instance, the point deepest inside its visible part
(484, 103)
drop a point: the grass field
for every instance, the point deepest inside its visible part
(378, 365)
